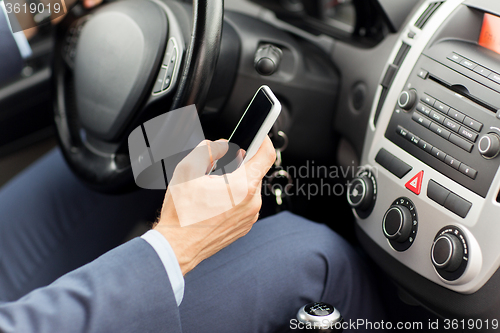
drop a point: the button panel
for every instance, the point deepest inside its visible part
(481, 70)
(455, 116)
(170, 62)
(436, 152)
(446, 134)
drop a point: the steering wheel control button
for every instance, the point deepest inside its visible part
(450, 253)
(267, 59)
(489, 145)
(362, 193)
(400, 224)
(168, 67)
(448, 199)
(392, 163)
(159, 81)
(407, 99)
(415, 184)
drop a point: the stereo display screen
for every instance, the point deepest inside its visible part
(490, 33)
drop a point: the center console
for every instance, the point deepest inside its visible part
(428, 198)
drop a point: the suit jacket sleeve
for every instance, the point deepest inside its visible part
(125, 290)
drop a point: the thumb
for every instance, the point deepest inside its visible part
(257, 167)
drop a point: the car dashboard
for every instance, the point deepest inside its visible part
(428, 198)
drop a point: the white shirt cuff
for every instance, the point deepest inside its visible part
(169, 260)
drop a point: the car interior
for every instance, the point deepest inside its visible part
(389, 131)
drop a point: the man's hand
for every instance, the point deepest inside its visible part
(194, 243)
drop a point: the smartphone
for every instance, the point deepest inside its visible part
(251, 130)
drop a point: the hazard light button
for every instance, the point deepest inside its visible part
(415, 183)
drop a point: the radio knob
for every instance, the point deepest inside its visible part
(360, 193)
(407, 99)
(489, 145)
(447, 252)
(397, 223)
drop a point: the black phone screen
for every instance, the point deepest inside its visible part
(245, 131)
(252, 120)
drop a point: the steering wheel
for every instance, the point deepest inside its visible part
(120, 65)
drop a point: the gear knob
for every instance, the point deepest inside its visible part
(322, 317)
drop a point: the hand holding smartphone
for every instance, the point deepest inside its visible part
(251, 130)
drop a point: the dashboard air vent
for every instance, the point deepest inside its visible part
(426, 15)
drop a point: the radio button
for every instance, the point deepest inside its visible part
(401, 131)
(465, 145)
(474, 124)
(456, 115)
(413, 138)
(482, 71)
(424, 109)
(421, 119)
(455, 58)
(468, 171)
(467, 63)
(468, 134)
(440, 131)
(441, 107)
(437, 117)
(452, 162)
(494, 77)
(451, 124)
(428, 99)
(440, 155)
(425, 146)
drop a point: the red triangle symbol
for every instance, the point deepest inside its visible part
(415, 183)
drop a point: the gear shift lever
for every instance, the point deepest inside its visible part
(322, 317)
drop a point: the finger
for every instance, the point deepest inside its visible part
(261, 162)
(203, 156)
(91, 3)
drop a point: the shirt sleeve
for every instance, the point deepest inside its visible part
(167, 256)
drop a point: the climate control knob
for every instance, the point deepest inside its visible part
(407, 99)
(489, 145)
(447, 252)
(397, 223)
(360, 193)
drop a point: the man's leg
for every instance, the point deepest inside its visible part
(50, 224)
(258, 283)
